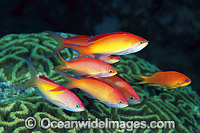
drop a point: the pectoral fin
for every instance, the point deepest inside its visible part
(55, 101)
(60, 88)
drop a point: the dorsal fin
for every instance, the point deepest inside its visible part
(78, 58)
(97, 37)
(79, 37)
(45, 78)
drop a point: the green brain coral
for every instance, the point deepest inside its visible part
(180, 105)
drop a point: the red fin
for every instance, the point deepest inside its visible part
(59, 39)
(81, 49)
(60, 88)
(47, 79)
(93, 39)
(64, 63)
(97, 37)
(79, 38)
(55, 36)
(31, 82)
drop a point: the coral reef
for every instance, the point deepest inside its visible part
(33, 47)
(180, 105)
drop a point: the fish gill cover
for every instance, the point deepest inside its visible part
(16, 105)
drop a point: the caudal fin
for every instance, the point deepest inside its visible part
(64, 64)
(60, 40)
(82, 50)
(71, 81)
(143, 77)
(33, 77)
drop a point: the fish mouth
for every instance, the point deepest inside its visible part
(134, 101)
(145, 44)
(115, 105)
(78, 109)
(83, 108)
(113, 61)
(184, 84)
(140, 47)
(123, 105)
(106, 74)
(120, 105)
(134, 49)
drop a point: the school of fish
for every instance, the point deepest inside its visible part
(94, 75)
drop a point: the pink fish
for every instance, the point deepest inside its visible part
(64, 99)
(97, 89)
(88, 66)
(123, 86)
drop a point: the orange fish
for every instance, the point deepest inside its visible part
(66, 99)
(123, 86)
(170, 79)
(80, 40)
(88, 66)
(96, 89)
(117, 43)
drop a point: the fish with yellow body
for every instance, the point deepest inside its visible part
(79, 40)
(63, 99)
(96, 89)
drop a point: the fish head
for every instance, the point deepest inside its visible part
(75, 108)
(138, 44)
(184, 81)
(105, 72)
(133, 99)
(69, 101)
(111, 59)
(116, 100)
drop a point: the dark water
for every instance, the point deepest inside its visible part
(172, 28)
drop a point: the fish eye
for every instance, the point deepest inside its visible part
(120, 101)
(77, 105)
(140, 42)
(131, 97)
(187, 80)
(111, 57)
(110, 71)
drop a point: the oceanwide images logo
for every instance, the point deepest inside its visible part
(46, 123)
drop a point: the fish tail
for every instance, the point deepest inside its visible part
(82, 50)
(31, 82)
(64, 64)
(64, 43)
(71, 81)
(143, 77)
(60, 40)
